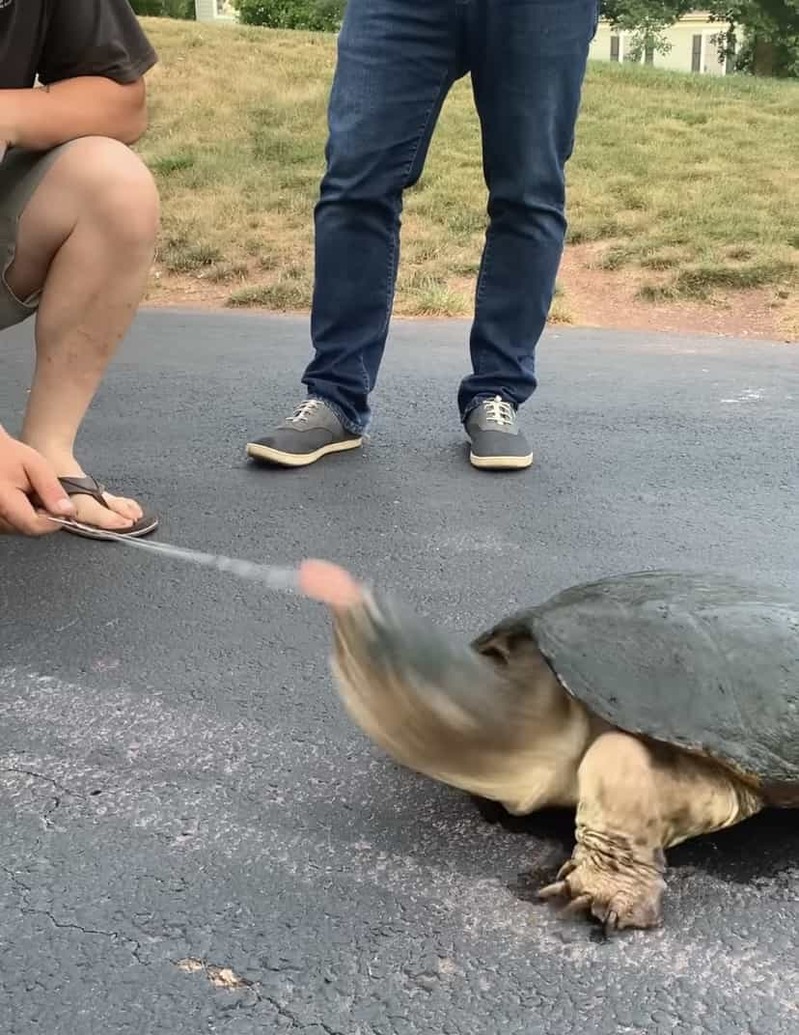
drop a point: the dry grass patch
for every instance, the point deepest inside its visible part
(691, 182)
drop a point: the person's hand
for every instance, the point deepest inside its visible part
(24, 473)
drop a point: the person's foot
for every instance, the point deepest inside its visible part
(118, 516)
(310, 433)
(496, 438)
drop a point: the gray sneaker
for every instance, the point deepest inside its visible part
(310, 433)
(497, 440)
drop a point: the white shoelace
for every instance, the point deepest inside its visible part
(304, 411)
(498, 411)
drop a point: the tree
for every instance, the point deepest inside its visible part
(164, 8)
(763, 35)
(645, 21)
(318, 15)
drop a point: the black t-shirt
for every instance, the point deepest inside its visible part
(62, 39)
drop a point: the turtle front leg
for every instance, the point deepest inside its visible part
(634, 801)
(617, 867)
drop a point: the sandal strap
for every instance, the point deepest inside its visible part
(86, 486)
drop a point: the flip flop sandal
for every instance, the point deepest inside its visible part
(88, 486)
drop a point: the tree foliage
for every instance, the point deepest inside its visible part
(318, 15)
(644, 21)
(763, 35)
(183, 9)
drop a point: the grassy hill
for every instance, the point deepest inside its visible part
(687, 185)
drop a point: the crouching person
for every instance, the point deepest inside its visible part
(79, 214)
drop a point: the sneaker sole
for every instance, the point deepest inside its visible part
(501, 463)
(277, 456)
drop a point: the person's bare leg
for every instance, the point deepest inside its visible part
(86, 241)
(635, 801)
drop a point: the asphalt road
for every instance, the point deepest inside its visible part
(179, 783)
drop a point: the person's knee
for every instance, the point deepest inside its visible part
(117, 193)
(363, 162)
(358, 175)
(533, 212)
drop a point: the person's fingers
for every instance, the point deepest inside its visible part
(46, 485)
(18, 516)
(329, 584)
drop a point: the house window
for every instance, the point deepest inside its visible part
(696, 54)
(614, 48)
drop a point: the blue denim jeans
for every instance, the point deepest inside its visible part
(397, 60)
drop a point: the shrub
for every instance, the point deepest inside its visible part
(316, 15)
(183, 9)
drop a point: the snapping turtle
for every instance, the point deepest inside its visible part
(661, 705)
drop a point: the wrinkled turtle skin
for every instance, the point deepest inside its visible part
(706, 662)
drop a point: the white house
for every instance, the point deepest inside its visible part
(692, 39)
(214, 10)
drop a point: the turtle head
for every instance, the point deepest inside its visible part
(475, 716)
(403, 682)
(440, 707)
(423, 698)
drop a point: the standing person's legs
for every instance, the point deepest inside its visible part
(528, 60)
(397, 59)
(78, 228)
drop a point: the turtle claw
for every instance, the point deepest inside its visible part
(616, 900)
(568, 867)
(557, 890)
(577, 905)
(560, 886)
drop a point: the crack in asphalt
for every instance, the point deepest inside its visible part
(289, 1016)
(15, 879)
(59, 787)
(211, 971)
(131, 944)
(40, 776)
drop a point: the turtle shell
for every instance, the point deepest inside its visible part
(706, 662)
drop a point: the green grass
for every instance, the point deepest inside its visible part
(690, 181)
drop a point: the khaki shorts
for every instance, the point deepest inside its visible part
(21, 172)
